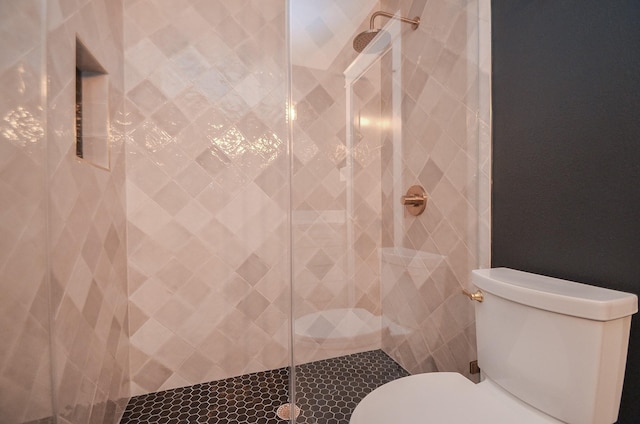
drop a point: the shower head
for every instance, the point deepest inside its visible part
(362, 40)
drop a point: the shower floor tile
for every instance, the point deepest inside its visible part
(326, 391)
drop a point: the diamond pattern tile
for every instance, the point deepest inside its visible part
(24, 352)
(87, 281)
(87, 226)
(435, 331)
(207, 197)
(324, 27)
(198, 198)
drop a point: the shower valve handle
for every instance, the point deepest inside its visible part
(413, 200)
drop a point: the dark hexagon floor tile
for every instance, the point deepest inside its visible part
(327, 392)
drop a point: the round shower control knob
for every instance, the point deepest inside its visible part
(415, 201)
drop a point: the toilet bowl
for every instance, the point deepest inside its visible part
(551, 351)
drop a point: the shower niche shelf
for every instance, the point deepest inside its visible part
(92, 109)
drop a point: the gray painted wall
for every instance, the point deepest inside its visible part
(566, 147)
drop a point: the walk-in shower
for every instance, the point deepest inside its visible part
(228, 254)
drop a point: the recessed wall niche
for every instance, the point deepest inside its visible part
(92, 109)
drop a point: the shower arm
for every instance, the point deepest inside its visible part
(415, 22)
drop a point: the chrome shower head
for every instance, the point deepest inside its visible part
(362, 40)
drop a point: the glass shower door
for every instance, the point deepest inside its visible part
(344, 111)
(376, 290)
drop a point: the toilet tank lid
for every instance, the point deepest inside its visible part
(556, 295)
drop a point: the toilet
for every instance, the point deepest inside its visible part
(550, 351)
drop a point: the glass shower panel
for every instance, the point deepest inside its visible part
(337, 206)
(208, 191)
(25, 368)
(426, 260)
(376, 290)
(335, 285)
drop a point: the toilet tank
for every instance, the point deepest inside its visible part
(557, 345)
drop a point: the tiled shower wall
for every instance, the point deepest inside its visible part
(87, 222)
(207, 190)
(63, 221)
(345, 254)
(25, 369)
(445, 148)
(208, 197)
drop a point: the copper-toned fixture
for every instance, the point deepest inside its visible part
(415, 201)
(363, 39)
(477, 296)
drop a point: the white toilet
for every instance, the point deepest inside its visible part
(550, 350)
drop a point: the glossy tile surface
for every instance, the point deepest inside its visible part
(207, 191)
(87, 221)
(25, 366)
(68, 266)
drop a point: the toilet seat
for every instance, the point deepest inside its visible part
(444, 398)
